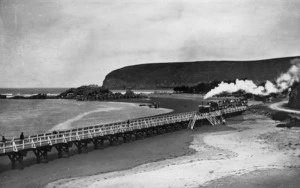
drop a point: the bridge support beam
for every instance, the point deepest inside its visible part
(178, 126)
(155, 132)
(16, 159)
(42, 154)
(98, 142)
(170, 128)
(144, 133)
(113, 140)
(63, 150)
(128, 137)
(185, 124)
(150, 132)
(140, 134)
(82, 146)
(120, 136)
(161, 130)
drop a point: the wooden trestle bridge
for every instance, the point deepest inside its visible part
(127, 131)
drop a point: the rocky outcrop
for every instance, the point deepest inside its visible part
(169, 75)
(96, 93)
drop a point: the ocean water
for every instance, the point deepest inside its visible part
(145, 91)
(40, 116)
(9, 92)
(30, 91)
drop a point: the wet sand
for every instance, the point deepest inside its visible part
(274, 178)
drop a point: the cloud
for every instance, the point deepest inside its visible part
(69, 43)
(171, 12)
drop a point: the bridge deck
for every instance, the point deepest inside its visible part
(102, 130)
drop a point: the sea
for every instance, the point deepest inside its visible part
(10, 92)
(38, 116)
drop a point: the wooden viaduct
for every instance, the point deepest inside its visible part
(126, 131)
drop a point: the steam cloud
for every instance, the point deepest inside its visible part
(283, 82)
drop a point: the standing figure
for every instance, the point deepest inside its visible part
(128, 123)
(22, 136)
(3, 140)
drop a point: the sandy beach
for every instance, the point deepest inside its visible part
(250, 147)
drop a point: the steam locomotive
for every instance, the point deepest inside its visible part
(228, 103)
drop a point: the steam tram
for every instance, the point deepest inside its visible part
(228, 103)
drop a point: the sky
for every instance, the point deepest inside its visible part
(69, 43)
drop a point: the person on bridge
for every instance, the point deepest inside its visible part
(3, 140)
(128, 123)
(22, 136)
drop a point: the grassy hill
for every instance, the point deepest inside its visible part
(169, 75)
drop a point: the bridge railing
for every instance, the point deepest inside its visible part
(90, 132)
(105, 129)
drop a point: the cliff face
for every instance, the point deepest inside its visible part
(294, 100)
(169, 75)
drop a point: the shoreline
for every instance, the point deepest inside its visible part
(68, 124)
(86, 119)
(230, 151)
(282, 106)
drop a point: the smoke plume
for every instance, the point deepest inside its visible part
(283, 82)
